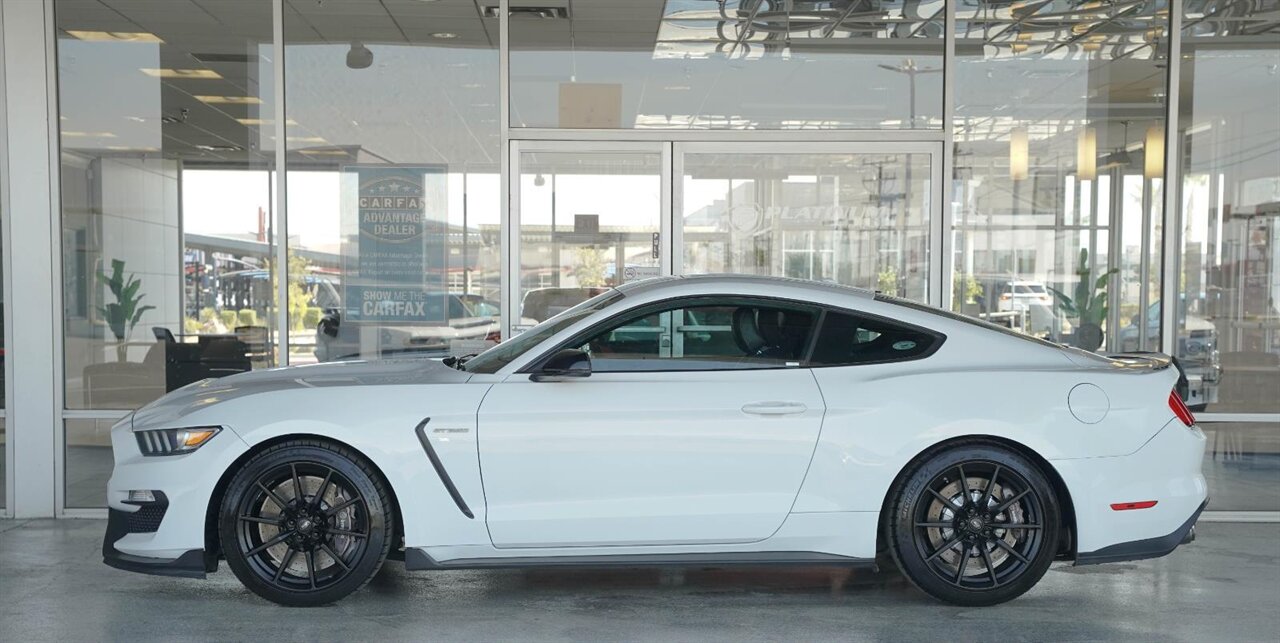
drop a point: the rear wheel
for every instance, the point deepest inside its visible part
(305, 523)
(974, 524)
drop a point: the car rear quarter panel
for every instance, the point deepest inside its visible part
(881, 416)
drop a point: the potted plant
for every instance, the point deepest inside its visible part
(123, 315)
(1088, 308)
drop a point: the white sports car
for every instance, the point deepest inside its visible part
(701, 421)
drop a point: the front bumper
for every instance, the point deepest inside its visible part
(192, 564)
(1145, 548)
(166, 537)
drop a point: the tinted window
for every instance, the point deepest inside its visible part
(847, 339)
(704, 335)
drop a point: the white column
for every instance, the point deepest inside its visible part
(31, 216)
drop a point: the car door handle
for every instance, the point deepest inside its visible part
(774, 408)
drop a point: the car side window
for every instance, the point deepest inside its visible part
(846, 339)
(705, 335)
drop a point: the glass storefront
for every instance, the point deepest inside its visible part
(1227, 322)
(374, 203)
(167, 159)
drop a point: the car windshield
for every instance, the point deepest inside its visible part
(495, 358)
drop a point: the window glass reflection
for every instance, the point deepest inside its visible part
(167, 145)
(712, 64)
(392, 178)
(855, 219)
(1058, 181)
(1228, 317)
(588, 221)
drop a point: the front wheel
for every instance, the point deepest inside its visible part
(974, 524)
(305, 523)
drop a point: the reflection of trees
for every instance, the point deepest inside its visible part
(589, 268)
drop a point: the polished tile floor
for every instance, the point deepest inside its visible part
(1223, 587)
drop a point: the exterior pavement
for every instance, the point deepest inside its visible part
(1223, 587)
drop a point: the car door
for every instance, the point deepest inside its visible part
(696, 425)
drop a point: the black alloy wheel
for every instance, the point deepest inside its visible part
(976, 524)
(305, 523)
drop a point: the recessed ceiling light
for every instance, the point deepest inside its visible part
(444, 35)
(325, 152)
(230, 100)
(126, 148)
(181, 73)
(305, 139)
(114, 36)
(66, 134)
(473, 86)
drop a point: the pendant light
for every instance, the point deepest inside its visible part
(1018, 153)
(1087, 154)
(1153, 151)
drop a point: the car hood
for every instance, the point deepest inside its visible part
(200, 395)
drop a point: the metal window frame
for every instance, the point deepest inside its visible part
(6, 261)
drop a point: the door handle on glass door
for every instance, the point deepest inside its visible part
(774, 408)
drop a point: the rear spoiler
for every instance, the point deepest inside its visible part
(1143, 361)
(1150, 361)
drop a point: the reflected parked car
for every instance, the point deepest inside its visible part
(1197, 352)
(472, 318)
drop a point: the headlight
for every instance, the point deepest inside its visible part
(174, 441)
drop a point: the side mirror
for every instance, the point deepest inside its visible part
(566, 363)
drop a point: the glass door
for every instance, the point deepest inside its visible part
(859, 214)
(588, 216)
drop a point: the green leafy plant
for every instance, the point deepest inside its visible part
(228, 318)
(590, 268)
(887, 280)
(311, 317)
(1087, 309)
(123, 315)
(964, 288)
(248, 317)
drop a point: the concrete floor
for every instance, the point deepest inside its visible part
(1223, 587)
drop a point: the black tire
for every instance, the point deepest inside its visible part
(952, 545)
(309, 552)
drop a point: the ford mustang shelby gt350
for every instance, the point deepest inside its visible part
(704, 421)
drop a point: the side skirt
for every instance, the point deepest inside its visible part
(416, 559)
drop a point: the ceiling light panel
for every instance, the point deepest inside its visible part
(114, 36)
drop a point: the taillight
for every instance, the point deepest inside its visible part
(1180, 409)
(1005, 297)
(493, 336)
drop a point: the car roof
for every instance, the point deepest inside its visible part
(734, 280)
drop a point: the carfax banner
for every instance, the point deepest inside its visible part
(396, 263)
